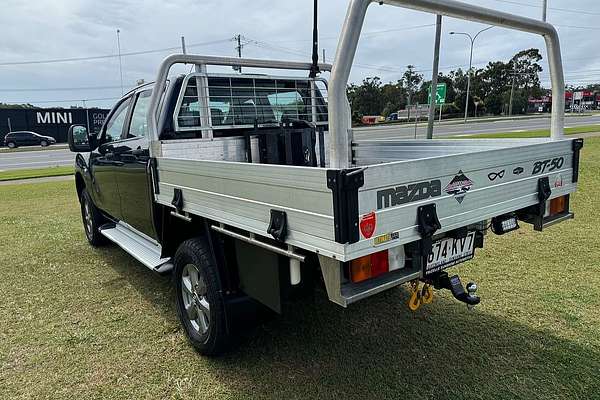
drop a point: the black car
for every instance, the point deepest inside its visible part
(25, 138)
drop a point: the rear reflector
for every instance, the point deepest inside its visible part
(377, 264)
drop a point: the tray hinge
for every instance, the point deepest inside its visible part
(577, 146)
(278, 225)
(427, 224)
(177, 201)
(344, 185)
(544, 193)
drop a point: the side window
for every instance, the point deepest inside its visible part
(189, 113)
(114, 126)
(138, 126)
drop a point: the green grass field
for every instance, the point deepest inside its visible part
(84, 323)
(12, 175)
(534, 134)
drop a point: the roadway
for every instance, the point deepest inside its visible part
(59, 157)
(454, 128)
(35, 159)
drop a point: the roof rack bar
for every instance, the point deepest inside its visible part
(338, 122)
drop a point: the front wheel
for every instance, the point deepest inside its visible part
(199, 301)
(44, 143)
(11, 145)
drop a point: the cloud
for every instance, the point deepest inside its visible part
(50, 29)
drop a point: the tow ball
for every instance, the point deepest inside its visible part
(453, 283)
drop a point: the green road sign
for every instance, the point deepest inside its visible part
(440, 94)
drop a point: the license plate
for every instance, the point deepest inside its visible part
(448, 252)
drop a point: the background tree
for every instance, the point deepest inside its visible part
(366, 99)
(8, 105)
(490, 88)
(412, 79)
(394, 97)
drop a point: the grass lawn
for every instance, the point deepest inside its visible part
(12, 175)
(533, 134)
(84, 323)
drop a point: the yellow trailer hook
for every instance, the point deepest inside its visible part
(427, 294)
(415, 298)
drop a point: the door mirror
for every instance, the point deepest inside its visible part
(80, 139)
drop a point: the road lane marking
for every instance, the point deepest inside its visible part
(49, 163)
(29, 155)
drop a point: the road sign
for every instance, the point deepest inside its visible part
(440, 94)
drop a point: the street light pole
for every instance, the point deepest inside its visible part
(472, 39)
(120, 62)
(434, 77)
(409, 87)
(512, 88)
(469, 79)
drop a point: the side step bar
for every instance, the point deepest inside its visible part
(138, 245)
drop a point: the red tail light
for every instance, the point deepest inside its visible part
(379, 263)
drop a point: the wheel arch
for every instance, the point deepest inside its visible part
(79, 184)
(174, 231)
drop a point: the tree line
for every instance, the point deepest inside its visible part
(490, 92)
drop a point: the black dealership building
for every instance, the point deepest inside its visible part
(53, 122)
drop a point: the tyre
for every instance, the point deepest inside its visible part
(200, 305)
(44, 143)
(11, 145)
(92, 220)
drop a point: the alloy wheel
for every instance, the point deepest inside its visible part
(195, 301)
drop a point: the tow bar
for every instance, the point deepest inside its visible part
(443, 281)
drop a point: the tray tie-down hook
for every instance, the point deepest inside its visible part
(443, 281)
(419, 297)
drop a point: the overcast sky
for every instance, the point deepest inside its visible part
(392, 38)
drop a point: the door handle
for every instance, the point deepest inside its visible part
(128, 158)
(109, 160)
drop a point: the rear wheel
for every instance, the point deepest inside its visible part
(44, 143)
(199, 301)
(11, 145)
(92, 220)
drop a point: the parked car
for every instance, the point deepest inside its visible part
(25, 138)
(372, 119)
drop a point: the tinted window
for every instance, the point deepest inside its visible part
(138, 126)
(114, 127)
